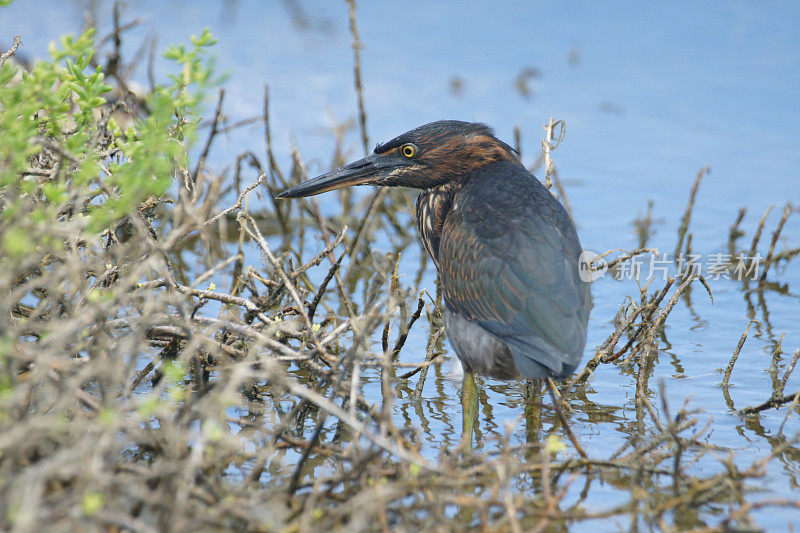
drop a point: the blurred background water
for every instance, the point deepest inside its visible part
(650, 93)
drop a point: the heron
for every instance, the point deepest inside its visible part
(506, 250)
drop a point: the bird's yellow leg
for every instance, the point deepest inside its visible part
(533, 411)
(469, 412)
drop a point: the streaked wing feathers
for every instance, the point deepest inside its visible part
(508, 260)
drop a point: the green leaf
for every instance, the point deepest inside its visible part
(17, 243)
(92, 503)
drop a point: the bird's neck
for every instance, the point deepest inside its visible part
(432, 208)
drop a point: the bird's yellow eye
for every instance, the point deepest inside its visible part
(408, 150)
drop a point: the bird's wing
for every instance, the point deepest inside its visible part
(508, 261)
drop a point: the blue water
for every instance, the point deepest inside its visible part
(649, 93)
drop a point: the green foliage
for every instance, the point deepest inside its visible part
(66, 167)
(92, 503)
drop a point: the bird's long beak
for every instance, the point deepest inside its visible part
(362, 172)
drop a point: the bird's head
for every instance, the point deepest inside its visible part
(426, 157)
